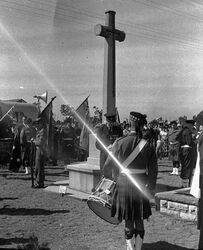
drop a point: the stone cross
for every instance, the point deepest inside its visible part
(109, 81)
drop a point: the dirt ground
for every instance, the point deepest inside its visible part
(68, 223)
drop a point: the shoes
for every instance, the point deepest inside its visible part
(26, 170)
(175, 171)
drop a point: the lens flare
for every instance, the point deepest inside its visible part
(52, 85)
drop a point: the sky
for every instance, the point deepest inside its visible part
(50, 45)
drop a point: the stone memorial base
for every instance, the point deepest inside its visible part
(178, 203)
(83, 176)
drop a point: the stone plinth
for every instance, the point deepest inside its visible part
(84, 176)
(178, 203)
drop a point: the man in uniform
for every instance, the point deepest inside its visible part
(174, 147)
(27, 135)
(40, 143)
(129, 203)
(187, 152)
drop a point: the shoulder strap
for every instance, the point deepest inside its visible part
(135, 152)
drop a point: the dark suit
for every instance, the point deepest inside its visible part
(187, 153)
(27, 133)
(40, 143)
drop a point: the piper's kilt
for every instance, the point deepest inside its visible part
(128, 202)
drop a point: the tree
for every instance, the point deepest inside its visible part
(65, 110)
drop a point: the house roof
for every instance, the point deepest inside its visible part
(15, 100)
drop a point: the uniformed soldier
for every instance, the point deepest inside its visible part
(187, 152)
(15, 161)
(40, 143)
(174, 147)
(27, 135)
(129, 203)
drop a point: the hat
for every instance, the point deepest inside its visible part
(199, 118)
(137, 116)
(173, 122)
(190, 122)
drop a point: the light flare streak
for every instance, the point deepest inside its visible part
(52, 85)
(7, 113)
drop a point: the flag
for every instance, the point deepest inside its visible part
(47, 116)
(84, 113)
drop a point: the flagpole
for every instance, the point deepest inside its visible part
(7, 113)
(48, 104)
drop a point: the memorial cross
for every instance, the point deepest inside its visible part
(109, 80)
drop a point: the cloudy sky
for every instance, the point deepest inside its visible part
(51, 45)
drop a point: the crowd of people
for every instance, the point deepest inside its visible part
(176, 140)
(141, 141)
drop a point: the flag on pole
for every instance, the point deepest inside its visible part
(47, 115)
(84, 113)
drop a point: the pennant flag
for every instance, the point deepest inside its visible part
(47, 116)
(83, 111)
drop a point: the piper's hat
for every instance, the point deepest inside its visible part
(199, 118)
(137, 116)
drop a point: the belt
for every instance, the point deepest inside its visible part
(185, 146)
(133, 171)
(173, 143)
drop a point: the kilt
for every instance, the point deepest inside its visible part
(128, 202)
